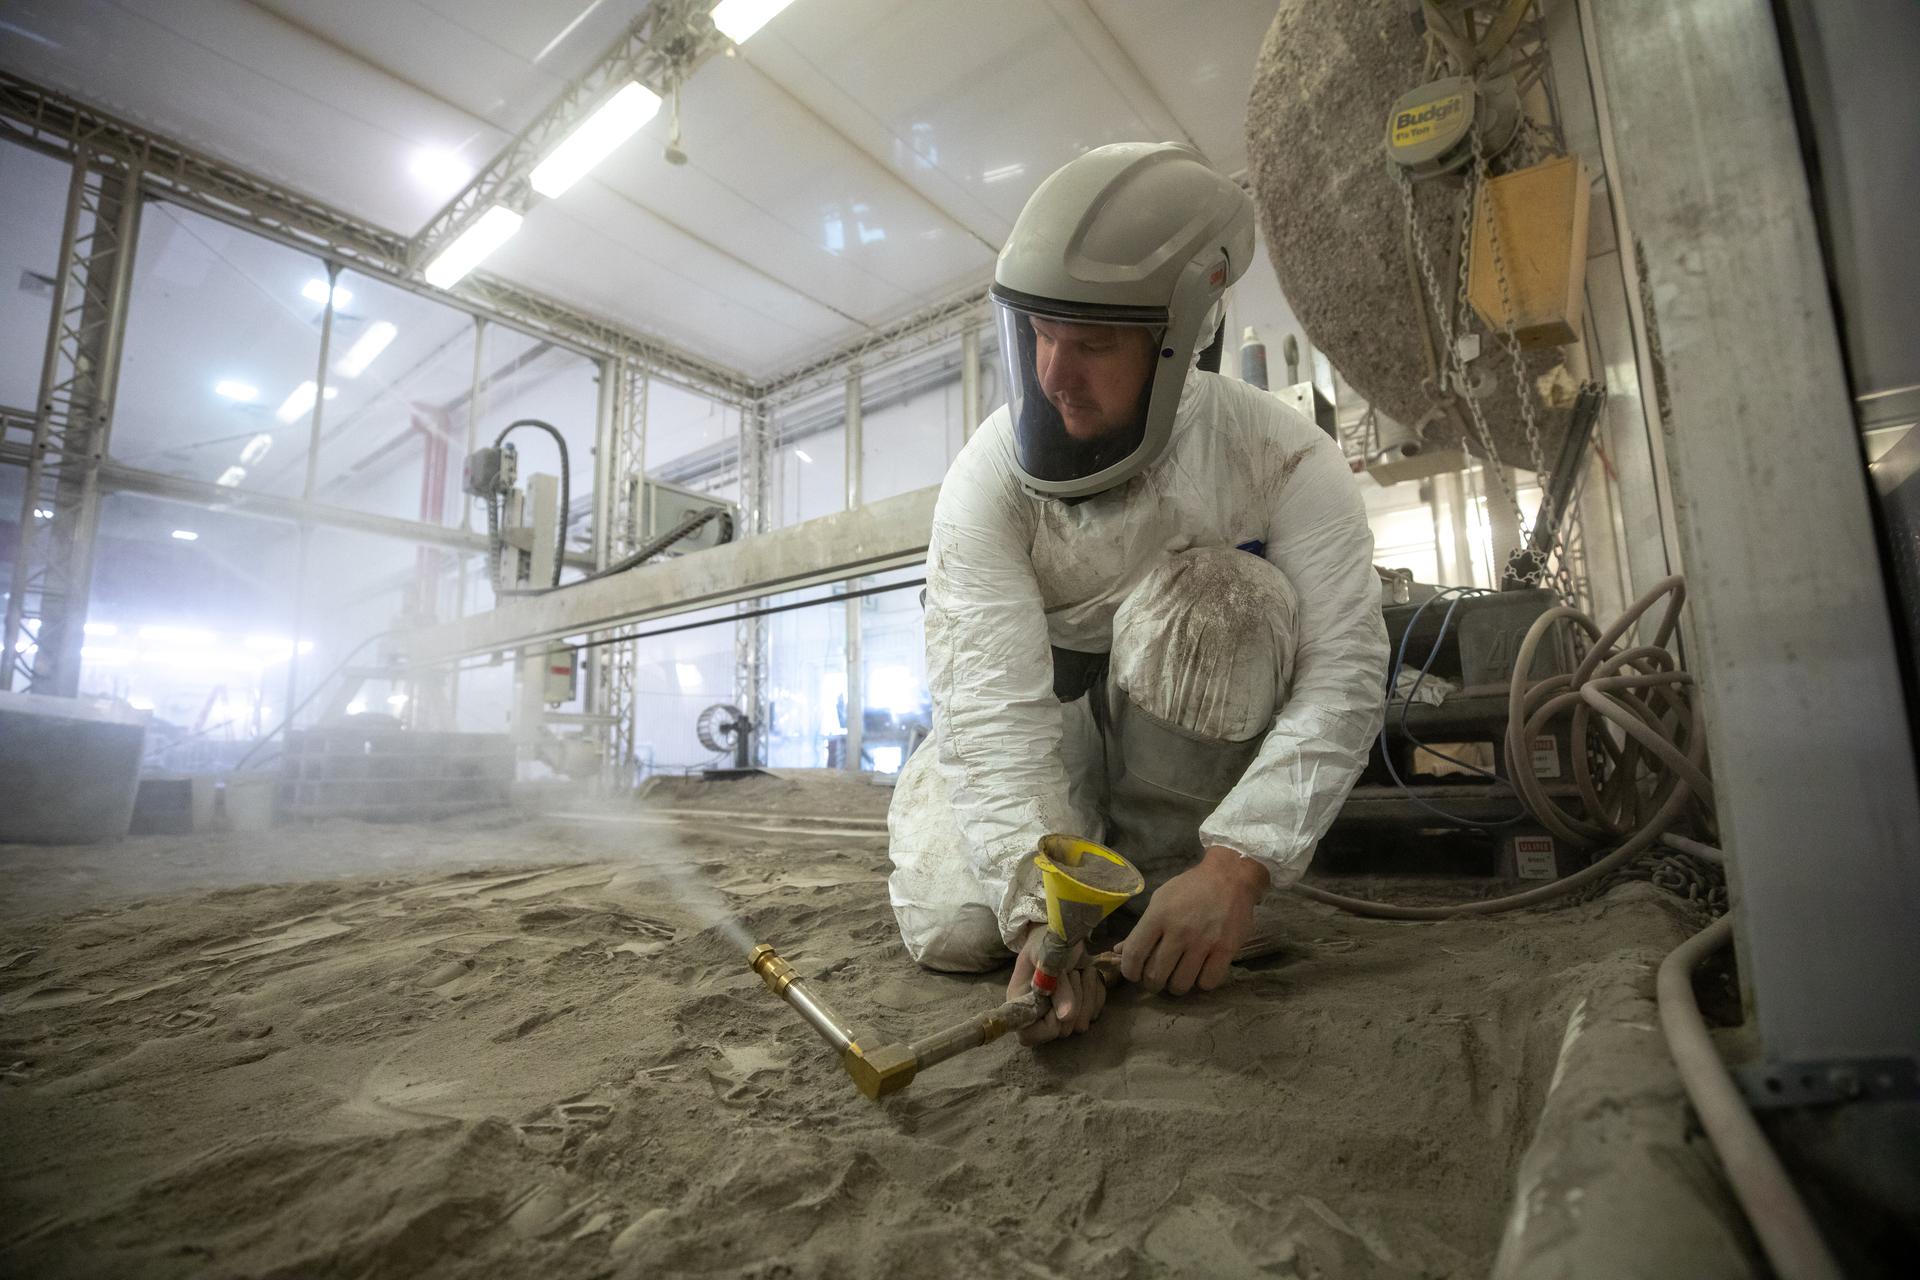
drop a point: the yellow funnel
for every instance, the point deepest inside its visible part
(1084, 883)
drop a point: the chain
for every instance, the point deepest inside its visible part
(1520, 384)
(1453, 319)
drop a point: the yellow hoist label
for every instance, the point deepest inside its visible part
(1417, 125)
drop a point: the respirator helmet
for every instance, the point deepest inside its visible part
(1110, 282)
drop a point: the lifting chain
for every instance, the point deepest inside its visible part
(1455, 322)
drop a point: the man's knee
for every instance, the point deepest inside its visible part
(1206, 641)
(957, 939)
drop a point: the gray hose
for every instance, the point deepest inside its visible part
(1774, 1209)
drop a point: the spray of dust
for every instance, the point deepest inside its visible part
(651, 844)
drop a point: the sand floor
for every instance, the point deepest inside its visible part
(519, 1044)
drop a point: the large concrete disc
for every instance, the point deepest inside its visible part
(1335, 221)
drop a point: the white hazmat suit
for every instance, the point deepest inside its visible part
(1230, 589)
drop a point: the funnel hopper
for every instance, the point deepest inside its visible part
(1084, 882)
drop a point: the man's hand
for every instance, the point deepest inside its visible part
(1194, 924)
(1077, 1001)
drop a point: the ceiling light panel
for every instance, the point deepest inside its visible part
(488, 232)
(737, 20)
(616, 120)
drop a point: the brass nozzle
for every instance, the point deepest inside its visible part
(879, 1072)
(777, 973)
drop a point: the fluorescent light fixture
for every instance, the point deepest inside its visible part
(397, 701)
(100, 629)
(255, 449)
(185, 535)
(739, 19)
(231, 477)
(316, 291)
(616, 120)
(238, 392)
(299, 401)
(365, 349)
(803, 455)
(488, 232)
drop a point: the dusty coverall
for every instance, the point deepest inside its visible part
(1195, 658)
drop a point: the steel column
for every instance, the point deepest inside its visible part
(750, 634)
(53, 562)
(969, 381)
(856, 669)
(1813, 762)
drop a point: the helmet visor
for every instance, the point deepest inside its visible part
(1078, 387)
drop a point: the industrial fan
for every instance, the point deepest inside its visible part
(723, 727)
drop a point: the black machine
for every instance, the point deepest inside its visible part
(1434, 784)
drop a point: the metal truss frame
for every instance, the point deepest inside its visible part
(664, 46)
(53, 563)
(61, 126)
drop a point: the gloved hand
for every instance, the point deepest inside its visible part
(1194, 924)
(1077, 1001)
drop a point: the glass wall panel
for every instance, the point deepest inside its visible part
(394, 428)
(223, 335)
(191, 617)
(910, 427)
(33, 200)
(676, 677)
(807, 476)
(806, 683)
(893, 658)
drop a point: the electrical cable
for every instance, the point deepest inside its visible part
(1774, 1209)
(1652, 698)
(566, 488)
(1393, 680)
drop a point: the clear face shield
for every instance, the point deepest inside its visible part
(1079, 382)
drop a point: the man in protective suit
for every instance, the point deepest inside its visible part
(1152, 615)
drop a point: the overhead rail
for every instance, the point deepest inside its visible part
(880, 536)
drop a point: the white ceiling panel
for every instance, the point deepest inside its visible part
(603, 253)
(860, 158)
(500, 60)
(1198, 58)
(244, 85)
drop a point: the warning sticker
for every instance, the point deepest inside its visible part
(1533, 858)
(1546, 757)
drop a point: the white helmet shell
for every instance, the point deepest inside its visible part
(1136, 234)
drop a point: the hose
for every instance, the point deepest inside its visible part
(1779, 1217)
(1639, 689)
(566, 488)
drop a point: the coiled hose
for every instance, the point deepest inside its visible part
(1653, 771)
(1640, 689)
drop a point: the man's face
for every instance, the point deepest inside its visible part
(1092, 373)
